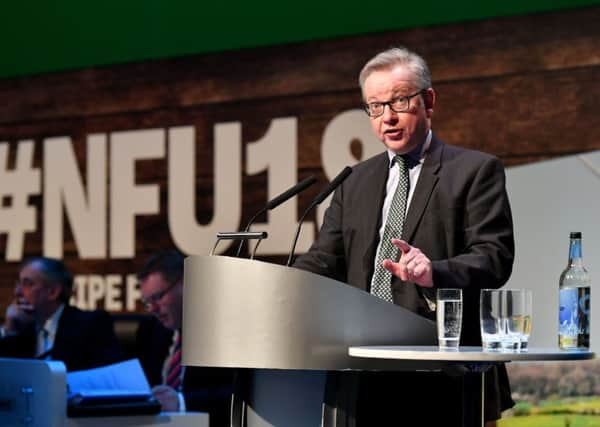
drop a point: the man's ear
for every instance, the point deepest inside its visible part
(54, 291)
(429, 98)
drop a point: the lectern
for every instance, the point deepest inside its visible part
(290, 330)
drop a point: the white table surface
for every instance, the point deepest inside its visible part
(164, 419)
(467, 354)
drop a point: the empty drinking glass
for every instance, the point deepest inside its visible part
(517, 313)
(528, 313)
(492, 324)
(512, 319)
(449, 318)
(505, 316)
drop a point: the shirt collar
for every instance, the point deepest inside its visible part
(416, 155)
(51, 324)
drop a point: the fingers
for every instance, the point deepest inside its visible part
(413, 265)
(410, 256)
(396, 268)
(12, 310)
(20, 305)
(167, 397)
(161, 389)
(18, 316)
(402, 245)
(421, 269)
(390, 266)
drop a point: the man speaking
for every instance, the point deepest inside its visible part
(420, 216)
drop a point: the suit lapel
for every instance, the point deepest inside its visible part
(64, 333)
(427, 181)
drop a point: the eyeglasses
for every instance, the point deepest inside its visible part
(150, 300)
(27, 283)
(397, 105)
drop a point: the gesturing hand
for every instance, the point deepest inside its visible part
(413, 265)
(19, 314)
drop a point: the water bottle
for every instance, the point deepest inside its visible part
(574, 300)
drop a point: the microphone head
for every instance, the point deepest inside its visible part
(301, 186)
(333, 184)
(320, 197)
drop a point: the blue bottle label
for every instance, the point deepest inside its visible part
(568, 313)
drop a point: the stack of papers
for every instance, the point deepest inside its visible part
(118, 389)
(119, 379)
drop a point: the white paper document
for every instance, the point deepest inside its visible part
(119, 379)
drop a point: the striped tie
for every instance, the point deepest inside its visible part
(173, 378)
(381, 284)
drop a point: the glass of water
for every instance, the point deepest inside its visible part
(449, 318)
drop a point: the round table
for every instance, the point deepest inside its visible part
(473, 361)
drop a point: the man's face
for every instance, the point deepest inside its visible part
(34, 294)
(400, 132)
(163, 299)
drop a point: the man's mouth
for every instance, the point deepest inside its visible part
(25, 306)
(393, 133)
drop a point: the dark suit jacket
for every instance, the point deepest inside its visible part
(84, 340)
(204, 389)
(459, 217)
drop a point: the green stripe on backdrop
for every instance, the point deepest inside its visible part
(51, 35)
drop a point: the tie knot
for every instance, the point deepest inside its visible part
(402, 161)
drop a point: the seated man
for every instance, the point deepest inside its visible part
(40, 322)
(178, 388)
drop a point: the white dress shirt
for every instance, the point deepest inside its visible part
(47, 332)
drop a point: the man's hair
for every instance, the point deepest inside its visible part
(54, 271)
(397, 56)
(169, 263)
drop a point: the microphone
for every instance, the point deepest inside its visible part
(272, 204)
(316, 201)
(288, 194)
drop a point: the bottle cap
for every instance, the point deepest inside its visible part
(575, 235)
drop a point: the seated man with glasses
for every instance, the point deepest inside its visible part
(176, 387)
(40, 322)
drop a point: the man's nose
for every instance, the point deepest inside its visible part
(389, 115)
(151, 307)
